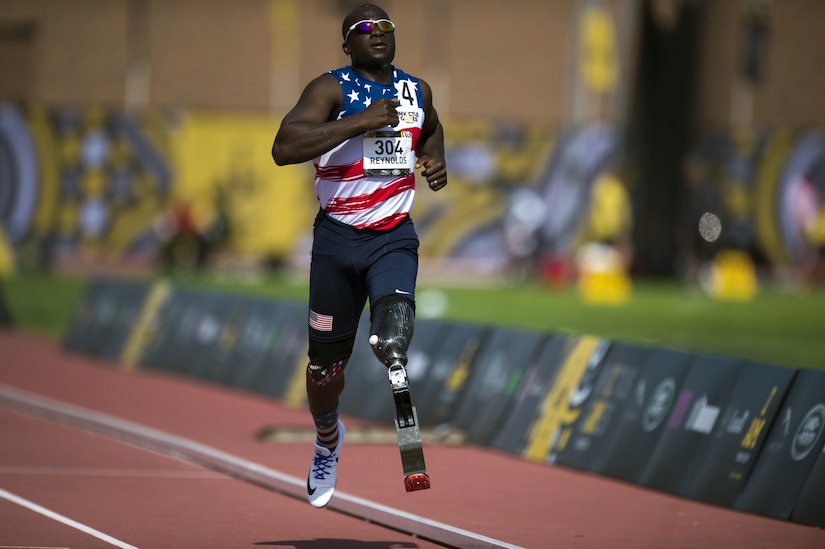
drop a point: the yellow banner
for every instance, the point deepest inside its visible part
(223, 164)
(552, 427)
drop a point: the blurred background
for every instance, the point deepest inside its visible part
(589, 142)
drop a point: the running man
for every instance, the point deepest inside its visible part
(367, 127)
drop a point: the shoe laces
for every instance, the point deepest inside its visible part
(321, 465)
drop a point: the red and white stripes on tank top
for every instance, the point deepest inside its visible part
(344, 192)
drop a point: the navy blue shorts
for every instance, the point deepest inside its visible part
(352, 265)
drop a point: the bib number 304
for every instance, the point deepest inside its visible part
(388, 153)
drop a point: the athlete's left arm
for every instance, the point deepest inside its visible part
(430, 148)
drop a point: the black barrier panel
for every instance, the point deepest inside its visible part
(367, 394)
(253, 344)
(574, 372)
(286, 352)
(425, 341)
(421, 360)
(730, 452)
(594, 434)
(810, 507)
(169, 332)
(185, 332)
(496, 374)
(201, 330)
(790, 451)
(104, 318)
(5, 312)
(582, 366)
(217, 324)
(242, 341)
(220, 355)
(529, 396)
(452, 358)
(687, 434)
(82, 334)
(257, 327)
(645, 415)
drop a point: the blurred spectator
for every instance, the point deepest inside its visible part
(609, 220)
(6, 270)
(189, 234)
(804, 201)
(5, 314)
(7, 262)
(604, 246)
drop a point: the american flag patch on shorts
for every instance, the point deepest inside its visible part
(322, 323)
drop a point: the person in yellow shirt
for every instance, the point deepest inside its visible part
(603, 249)
(609, 219)
(7, 268)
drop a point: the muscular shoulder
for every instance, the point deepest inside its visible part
(319, 101)
(325, 85)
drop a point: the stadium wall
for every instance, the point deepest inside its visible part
(520, 60)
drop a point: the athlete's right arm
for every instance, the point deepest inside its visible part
(311, 128)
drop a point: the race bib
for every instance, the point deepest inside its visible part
(388, 153)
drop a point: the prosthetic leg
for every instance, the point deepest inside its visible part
(409, 436)
(392, 329)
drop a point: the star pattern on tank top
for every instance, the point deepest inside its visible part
(354, 96)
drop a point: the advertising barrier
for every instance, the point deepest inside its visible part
(496, 373)
(529, 397)
(5, 314)
(595, 435)
(368, 393)
(722, 430)
(437, 396)
(184, 334)
(425, 368)
(645, 417)
(563, 397)
(278, 351)
(809, 508)
(731, 450)
(683, 443)
(791, 449)
(104, 317)
(241, 341)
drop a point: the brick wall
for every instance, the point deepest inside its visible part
(484, 59)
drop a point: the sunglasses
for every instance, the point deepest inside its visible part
(366, 26)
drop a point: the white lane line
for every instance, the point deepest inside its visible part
(65, 520)
(29, 547)
(249, 471)
(107, 472)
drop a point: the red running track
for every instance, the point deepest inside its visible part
(70, 478)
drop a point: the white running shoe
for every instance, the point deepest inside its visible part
(321, 478)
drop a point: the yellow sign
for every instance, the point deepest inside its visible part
(7, 263)
(224, 162)
(732, 276)
(553, 426)
(598, 50)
